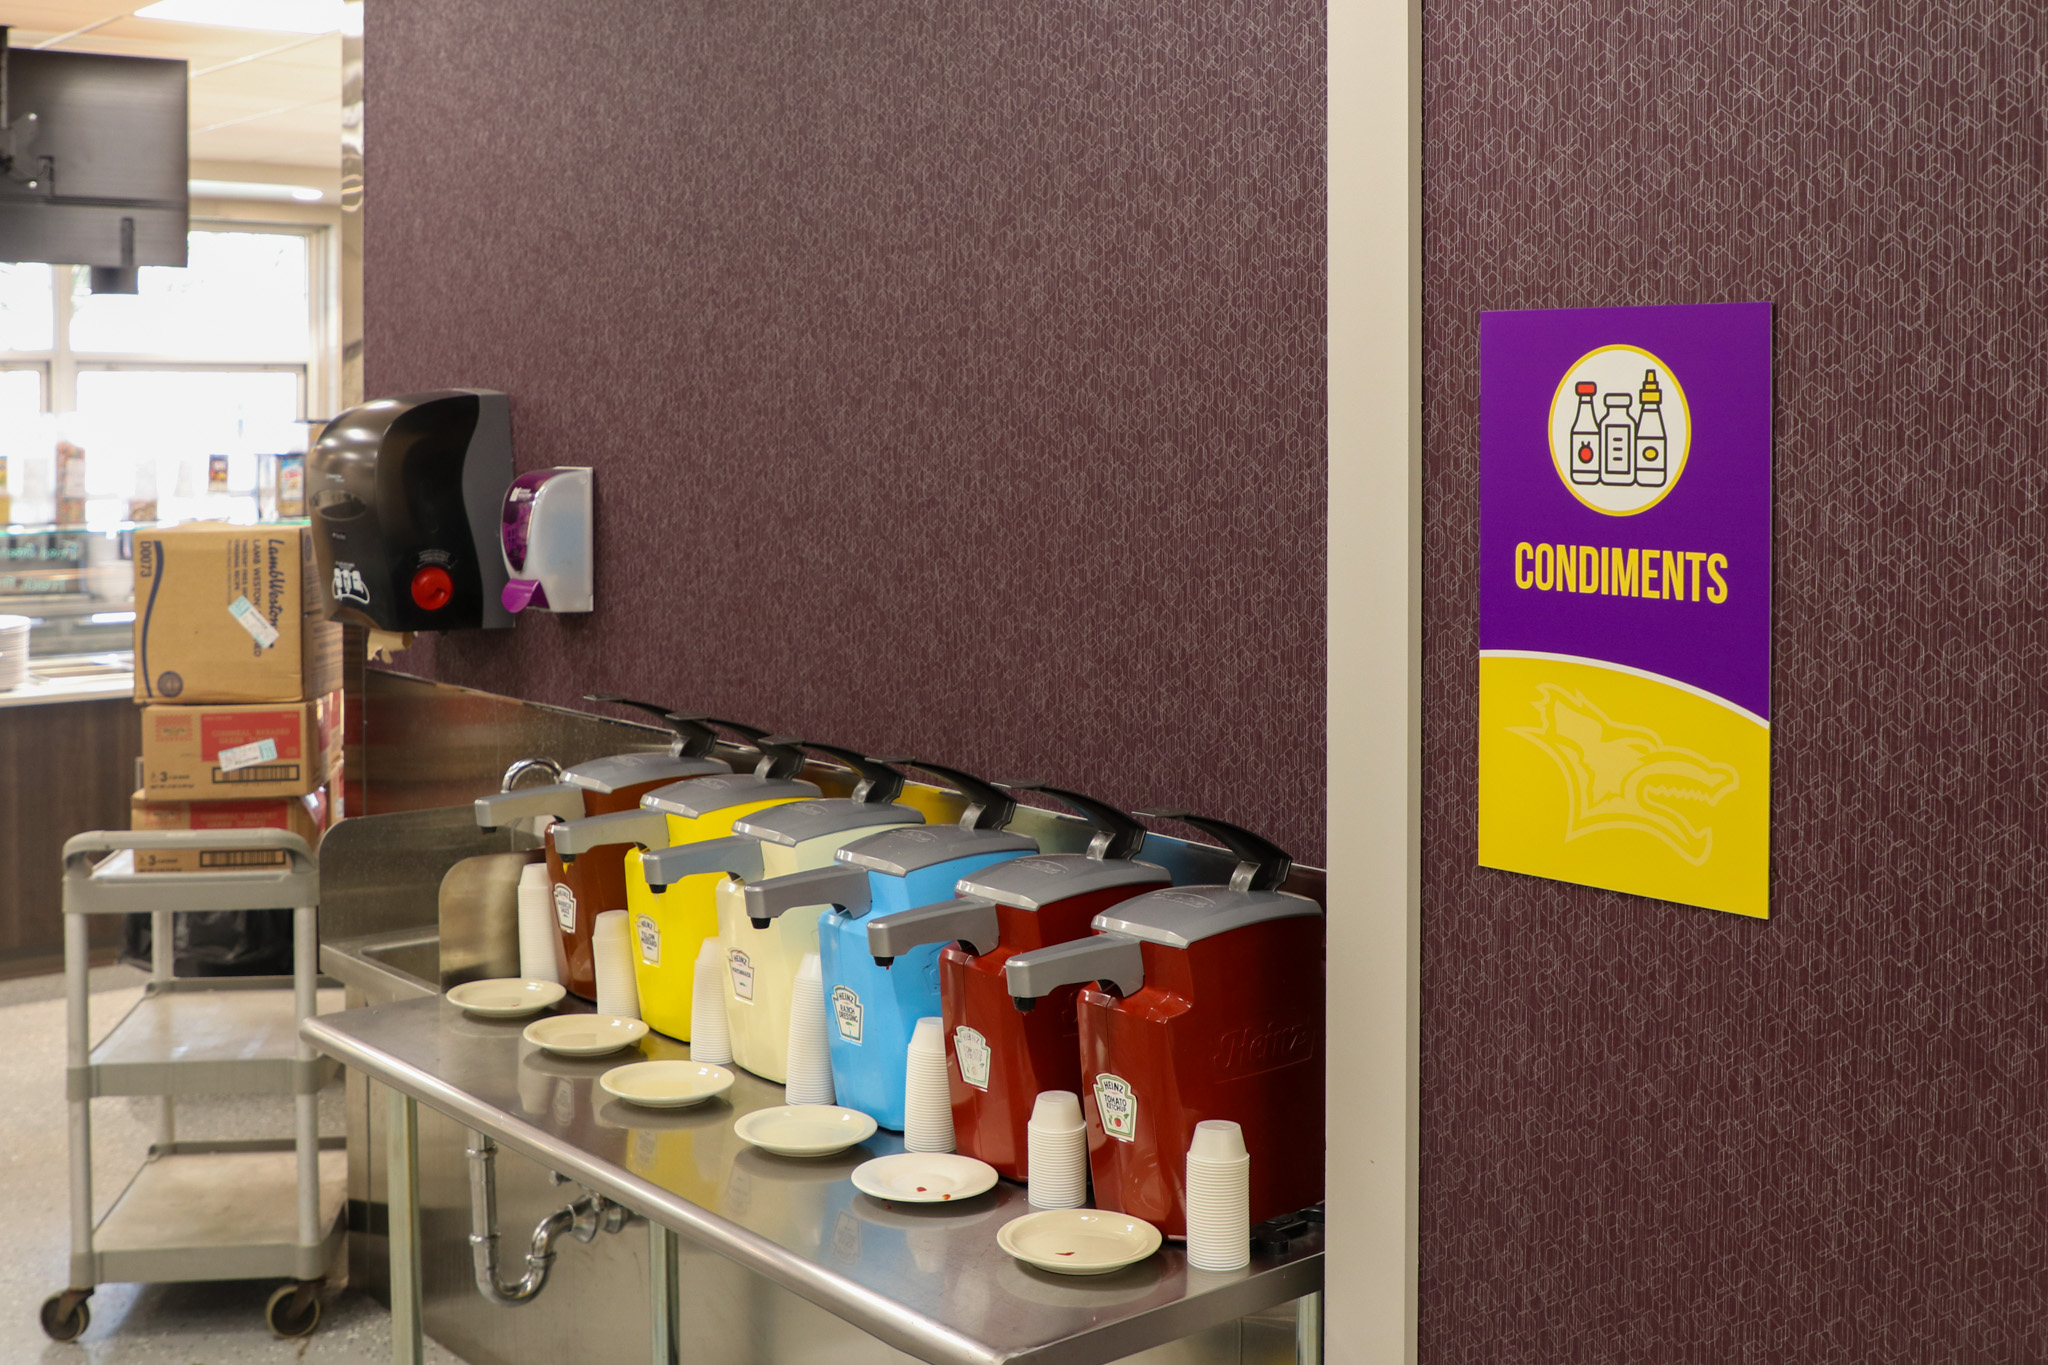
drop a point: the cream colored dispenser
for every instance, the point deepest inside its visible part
(761, 964)
(668, 929)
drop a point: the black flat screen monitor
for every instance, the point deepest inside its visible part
(106, 150)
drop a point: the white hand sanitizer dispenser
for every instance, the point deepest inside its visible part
(545, 533)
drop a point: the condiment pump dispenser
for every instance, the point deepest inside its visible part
(586, 886)
(1003, 1057)
(874, 1009)
(669, 928)
(799, 836)
(1199, 1002)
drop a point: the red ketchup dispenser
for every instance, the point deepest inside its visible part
(1002, 1057)
(585, 887)
(1198, 1002)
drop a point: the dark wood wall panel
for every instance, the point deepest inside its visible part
(953, 374)
(1654, 1134)
(69, 767)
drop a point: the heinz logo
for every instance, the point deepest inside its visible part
(1248, 1051)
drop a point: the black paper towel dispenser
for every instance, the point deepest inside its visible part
(405, 496)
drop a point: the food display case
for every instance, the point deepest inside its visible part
(74, 586)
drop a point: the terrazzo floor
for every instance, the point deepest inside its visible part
(180, 1324)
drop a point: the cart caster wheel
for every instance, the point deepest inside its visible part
(294, 1310)
(65, 1316)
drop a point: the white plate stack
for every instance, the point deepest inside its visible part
(927, 1097)
(1219, 1197)
(611, 947)
(540, 944)
(1056, 1152)
(710, 1034)
(13, 652)
(810, 1056)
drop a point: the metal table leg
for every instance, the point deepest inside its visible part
(1308, 1329)
(663, 1250)
(401, 1161)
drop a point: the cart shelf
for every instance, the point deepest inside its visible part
(213, 1211)
(218, 1036)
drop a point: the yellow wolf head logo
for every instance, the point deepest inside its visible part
(1625, 776)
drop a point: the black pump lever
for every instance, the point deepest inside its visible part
(752, 734)
(879, 783)
(1117, 835)
(781, 755)
(691, 739)
(988, 806)
(1262, 865)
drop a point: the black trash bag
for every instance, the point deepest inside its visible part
(217, 942)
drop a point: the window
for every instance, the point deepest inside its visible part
(216, 359)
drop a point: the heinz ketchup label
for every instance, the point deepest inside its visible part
(1117, 1103)
(974, 1052)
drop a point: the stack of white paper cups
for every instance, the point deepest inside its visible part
(540, 946)
(1219, 1197)
(710, 1036)
(1056, 1152)
(810, 1059)
(927, 1098)
(611, 950)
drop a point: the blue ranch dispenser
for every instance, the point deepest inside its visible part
(873, 1009)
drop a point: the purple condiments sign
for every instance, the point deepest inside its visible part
(1717, 504)
(1625, 599)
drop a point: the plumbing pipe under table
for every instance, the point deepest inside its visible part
(927, 1280)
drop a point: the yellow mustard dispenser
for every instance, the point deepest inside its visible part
(761, 964)
(669, 926)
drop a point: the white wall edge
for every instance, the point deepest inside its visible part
(1374, 682)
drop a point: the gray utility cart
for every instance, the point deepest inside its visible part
(246, 1210)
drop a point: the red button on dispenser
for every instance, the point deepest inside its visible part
(432, 587)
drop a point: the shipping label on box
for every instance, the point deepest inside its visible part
(215, 753)
(228, 614)
(305, 816)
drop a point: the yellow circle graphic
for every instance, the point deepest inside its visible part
(1620, 430)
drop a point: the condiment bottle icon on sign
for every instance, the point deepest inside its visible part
(1651, 451)
(1585, 436)
(1618, 442)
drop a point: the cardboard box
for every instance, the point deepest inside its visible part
(240, 753)
(231, 614)
(305, 816)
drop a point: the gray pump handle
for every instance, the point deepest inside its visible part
(1117, 835)
(988, 806)
(879, 783)
(1262, 865)
(692, 739)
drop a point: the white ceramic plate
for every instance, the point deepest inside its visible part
(666, 1085)
(804, 1129)
(584, 1035)
(505, 996)
(924, 1177)
(1078, 1241)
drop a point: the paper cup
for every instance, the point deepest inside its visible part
(1056, 1152)
(927, 1093)
(611, 950)
(540, 945)
(1219, 1197)
(810, 1057)
(710, 1033)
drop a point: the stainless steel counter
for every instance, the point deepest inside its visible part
(928, 1281)
(73, 677)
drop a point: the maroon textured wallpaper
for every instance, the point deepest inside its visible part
(1656, 1134)
(954, 375)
